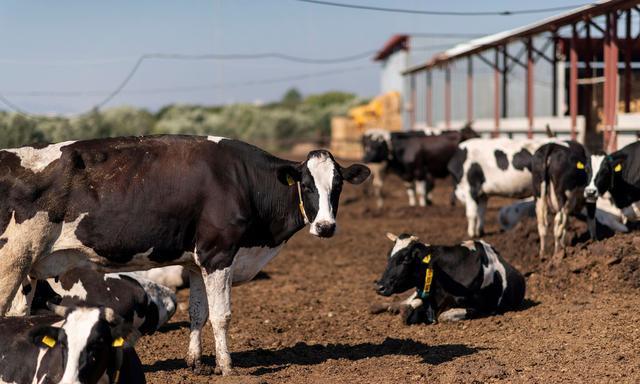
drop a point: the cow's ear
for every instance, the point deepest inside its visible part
(356, 173)
(288, 174)
(391, 236)
(44, 336)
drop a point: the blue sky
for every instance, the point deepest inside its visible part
(90, 46)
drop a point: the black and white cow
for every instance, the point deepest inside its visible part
(83, 345)
(416, 157)
(618, 174)
(491, 167)
(141, 302)
(560, 172)
(222, 207)
(451, 282)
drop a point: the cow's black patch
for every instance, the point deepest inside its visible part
(475, 178)
(456, 164)
(522, 160)
(501, 159)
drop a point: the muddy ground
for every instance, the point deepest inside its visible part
(309, 322)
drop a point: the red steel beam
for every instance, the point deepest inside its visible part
(627, 63)
(469, 89)
(496, 94)
(573, 81)
(529, 96)
(447, 97)
(614, 54)
(607, 81)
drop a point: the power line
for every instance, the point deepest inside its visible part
(443, 13)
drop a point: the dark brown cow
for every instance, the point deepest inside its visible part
(221, 207)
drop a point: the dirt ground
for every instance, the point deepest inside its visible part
(308, 322)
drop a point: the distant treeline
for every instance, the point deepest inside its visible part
(270, 125)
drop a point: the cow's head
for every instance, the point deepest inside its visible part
(376, 146)
(320, 180)
(403, 263)
(87, 338)
(605, 173)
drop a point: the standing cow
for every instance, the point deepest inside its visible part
(221, 207)
(491, 167)
(560, 172)
(416, 157)
(618, 174)
(451, 282)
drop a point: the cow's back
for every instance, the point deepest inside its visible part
(505, 164)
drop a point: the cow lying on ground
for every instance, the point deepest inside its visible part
(414, 156)
(141, 302)
(491, 167)
(79, 345)
(607, 214)
(618, 174)
(452, 282)
(222, 207)
(560, 172)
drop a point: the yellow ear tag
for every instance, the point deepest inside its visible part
(119, 342)
(427, 259)
(579, 165)
(618, 168)
(48, 341)
(290, 180)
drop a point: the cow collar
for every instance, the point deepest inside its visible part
(117, 345)
(300, 203)
(428, 278)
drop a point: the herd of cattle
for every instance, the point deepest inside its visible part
(84, 225)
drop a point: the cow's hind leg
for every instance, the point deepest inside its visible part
(560, 230)
(541, 217)
(482, 211)
(198, 314)
(218, 286)
(471, 211)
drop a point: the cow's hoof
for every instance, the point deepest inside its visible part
(225, 371)
(201, 369)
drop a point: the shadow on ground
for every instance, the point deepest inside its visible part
(269, 360)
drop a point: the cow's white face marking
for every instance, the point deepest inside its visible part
(77, 326)
(322, 170)
(38, 159)
(494, 266)
(596, 162)
(401, 244)
(216, 139)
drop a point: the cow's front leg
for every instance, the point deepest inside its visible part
(411, 193)
(218, 286)
(198, 314)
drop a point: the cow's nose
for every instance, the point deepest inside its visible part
(591, 194)
(325, 228)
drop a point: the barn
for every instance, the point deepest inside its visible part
(577, 72)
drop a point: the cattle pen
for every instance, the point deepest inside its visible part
(576, 72)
